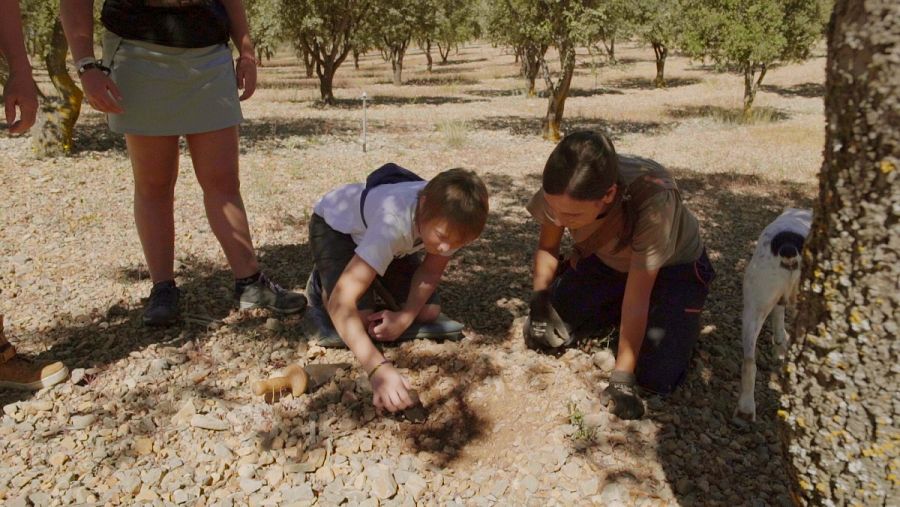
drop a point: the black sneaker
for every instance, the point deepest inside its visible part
(162, 308)
(264, 293)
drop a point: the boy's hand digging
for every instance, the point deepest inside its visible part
(390, 389)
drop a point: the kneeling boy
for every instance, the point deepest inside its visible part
(365, 234)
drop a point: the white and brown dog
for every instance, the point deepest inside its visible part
(770, 283)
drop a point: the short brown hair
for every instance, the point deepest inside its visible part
(459, 197)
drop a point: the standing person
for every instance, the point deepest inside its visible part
(166, 72)
(20, 103)
(638, 263)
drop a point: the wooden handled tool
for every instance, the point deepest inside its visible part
(295, 379)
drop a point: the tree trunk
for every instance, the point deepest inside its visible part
(532, 57)
(397, 54)
(428, 53)
(355, 58)
(309, 62)
(751, 86)
(661, 53)
(326, 81)
(839, 409)
(444, 51)
(558, 92)
(609, 44)
(59, 113)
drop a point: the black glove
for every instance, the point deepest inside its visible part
(622, 393)
(544, 327)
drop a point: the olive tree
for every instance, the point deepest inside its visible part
(841, 393)
(265, 18)
(750, 36)
(59, 110)
(324, 30)
(455, 24)
(398, 22)
(516, 23)
(658, 23)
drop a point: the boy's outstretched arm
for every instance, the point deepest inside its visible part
(424, 282)
(390, 390)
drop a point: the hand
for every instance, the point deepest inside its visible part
(387, 326)
(621, 392)
(101, 92)
(245, 72)
(20, 93)
(544, 327)
(390, 389)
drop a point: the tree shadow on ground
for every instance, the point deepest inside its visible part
(640, 83)
(706, 455)
(729, 115)
(389, 100)
(93, 134)
(294, 133)
(514, 92)
(495, 267)
(455, 61)
(522, 126)
(604, 62)
(435, 81)
(588, 92)
(806, 90)
(104, 336)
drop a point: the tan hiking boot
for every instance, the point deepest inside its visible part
(25, 374)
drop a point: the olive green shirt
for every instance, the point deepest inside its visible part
(666, 232)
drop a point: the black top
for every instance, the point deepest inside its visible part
(177, 23)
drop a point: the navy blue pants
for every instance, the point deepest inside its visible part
(589, 299)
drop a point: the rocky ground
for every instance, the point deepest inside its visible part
(167, 417)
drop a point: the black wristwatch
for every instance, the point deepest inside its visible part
(93, 65)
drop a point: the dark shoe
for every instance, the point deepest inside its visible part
(27, 375)
(321, 328)
(162, 308)
(443, 328)
(264, 293)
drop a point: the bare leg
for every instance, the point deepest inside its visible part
(154, 162)
(215, 157)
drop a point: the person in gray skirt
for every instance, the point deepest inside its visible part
(167, 71)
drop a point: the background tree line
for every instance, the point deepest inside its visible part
(748, 37)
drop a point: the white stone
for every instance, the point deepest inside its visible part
(209, 423)
(381, 481)
(249, 486)
(80, 422)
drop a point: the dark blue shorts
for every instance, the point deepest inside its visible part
(589, 299)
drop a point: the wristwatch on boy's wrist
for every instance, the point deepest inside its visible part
(86, 64)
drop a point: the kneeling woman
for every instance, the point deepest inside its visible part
(638, 262)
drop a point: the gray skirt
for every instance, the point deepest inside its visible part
(171, 91)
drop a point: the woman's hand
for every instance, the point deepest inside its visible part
(390, 389)
(245, 71)
(387, 326)
(101, 92)
(20, 93)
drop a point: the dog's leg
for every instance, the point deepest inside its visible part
(778, 333)
(752, 322)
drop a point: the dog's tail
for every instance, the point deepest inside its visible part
(787, 245)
